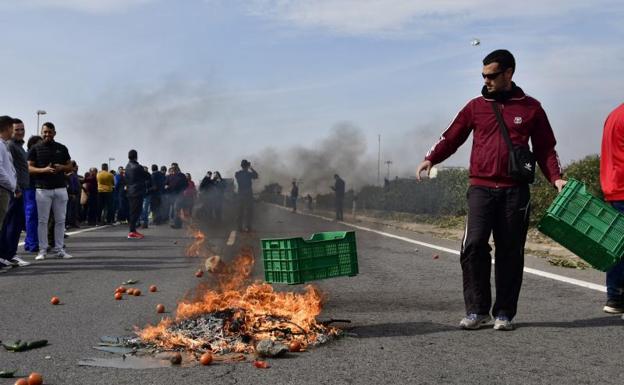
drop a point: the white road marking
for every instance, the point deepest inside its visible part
(231, 238)
(79, 231)
(540, 273)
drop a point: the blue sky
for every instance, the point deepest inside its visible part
(207, 82)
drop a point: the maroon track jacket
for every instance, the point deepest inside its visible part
(525, 118)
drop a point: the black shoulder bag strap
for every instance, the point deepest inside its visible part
(502, 126)
(521, 166)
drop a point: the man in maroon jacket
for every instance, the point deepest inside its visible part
(612, 183)
(497, 203)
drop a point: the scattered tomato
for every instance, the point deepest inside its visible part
(436, 256)
(153, 289)
(55, 301)
(176, 359)
(137, 292)
(35, 379)
(294, 346)
(130, 291)
(261, 364)
(118, 296)
(21, 381)
(199, 273)
(121, 289)
(206, 358)
(160, 308)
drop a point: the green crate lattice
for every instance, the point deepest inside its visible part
(296, 260)
(585, 225)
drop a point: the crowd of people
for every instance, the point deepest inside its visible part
(42, 193)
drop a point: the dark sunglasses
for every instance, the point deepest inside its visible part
(492, 76)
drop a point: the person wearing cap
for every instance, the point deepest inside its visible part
(244, 179)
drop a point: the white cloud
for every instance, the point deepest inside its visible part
(91, 6)
(366, 17)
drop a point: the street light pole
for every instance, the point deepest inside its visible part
(39, 113)
(388, 162)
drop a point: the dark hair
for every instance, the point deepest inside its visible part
(245, 163)
(132, 155)
(17, 121)
(504, 59)
(163, 169)
(50, 125)
(5, 122)
(154, 167)
(33, 140)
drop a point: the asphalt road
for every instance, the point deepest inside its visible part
(404, 307)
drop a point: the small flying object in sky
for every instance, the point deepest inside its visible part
(475, 42)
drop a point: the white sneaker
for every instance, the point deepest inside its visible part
(41, 256)
(62, 254)
(19, 261)
(5, 264)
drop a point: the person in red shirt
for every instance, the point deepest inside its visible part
(612, 183)
(498, 204)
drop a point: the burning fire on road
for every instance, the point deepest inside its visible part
(234, 315)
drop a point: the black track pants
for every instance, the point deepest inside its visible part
(503, 212)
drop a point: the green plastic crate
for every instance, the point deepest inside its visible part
(297, 260)
(585, 225)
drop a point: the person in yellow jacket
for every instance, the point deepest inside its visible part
(106, 183)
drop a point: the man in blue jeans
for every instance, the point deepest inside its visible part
(612, 183)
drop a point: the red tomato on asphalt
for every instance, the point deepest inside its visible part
(35, 379)
(206, 358)
(21, 381)
(55, 301)
(261, 364)
(153, 288)
(199, 273)
(118, 296)
(160, 308)
(137, 292)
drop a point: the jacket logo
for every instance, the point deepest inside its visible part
(528, 166)
(518, 120)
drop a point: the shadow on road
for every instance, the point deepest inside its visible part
(583, 323)
(402, 329)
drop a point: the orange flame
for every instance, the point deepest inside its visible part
(261, 311)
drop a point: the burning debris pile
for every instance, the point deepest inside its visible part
(236, 316)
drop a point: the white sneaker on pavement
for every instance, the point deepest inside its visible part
(5, 264)
(41, 256)
(64, 255)
(19, 261)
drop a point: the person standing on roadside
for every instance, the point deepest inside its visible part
(48, 162)
(176, 184)
(244, 178)
(294, 195)
(498, 203)
(612, 183)
(31, 242)
(105, 185)
(158, 186)
(14, 221)
(8, 179)
(135, 191)
(339, 190)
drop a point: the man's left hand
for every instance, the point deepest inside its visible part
(559, 183)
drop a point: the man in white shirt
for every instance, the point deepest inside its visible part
(8, 180)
